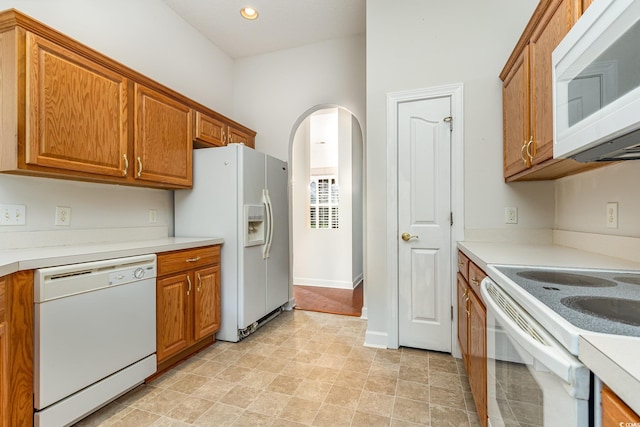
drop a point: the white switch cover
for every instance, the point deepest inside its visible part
(510, 215)
(612, 215)
(63, 215)
(13, 214)
(153, 216)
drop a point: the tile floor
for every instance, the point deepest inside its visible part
(302, 368)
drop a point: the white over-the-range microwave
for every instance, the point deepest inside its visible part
(596, 85)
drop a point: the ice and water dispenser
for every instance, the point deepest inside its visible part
(254, 225)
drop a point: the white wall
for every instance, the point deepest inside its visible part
(274, 90)
(581, 200)
(144, 35)
(417, 44)
(357, 198)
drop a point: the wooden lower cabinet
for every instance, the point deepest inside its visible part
(478, 355)
(472, 332)
(187, 303)
(16, 349)
(615, 412)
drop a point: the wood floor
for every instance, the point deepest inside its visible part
(329, 300)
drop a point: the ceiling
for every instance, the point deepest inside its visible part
(281, 24)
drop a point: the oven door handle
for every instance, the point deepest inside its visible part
(550, 353)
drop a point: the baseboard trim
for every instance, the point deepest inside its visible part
(376, 339)
(365, 313)
(320, 283)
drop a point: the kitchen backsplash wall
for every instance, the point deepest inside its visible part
(93, 206)
(581, 200)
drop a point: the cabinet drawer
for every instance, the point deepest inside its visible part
(173, 262)
(463, 265)
(475, 277)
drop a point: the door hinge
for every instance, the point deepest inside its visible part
(449, 120)
(451, 312)
(451, 218)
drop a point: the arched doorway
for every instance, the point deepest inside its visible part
(326, 206)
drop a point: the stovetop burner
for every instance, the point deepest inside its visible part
(605, 301)
(564, 278)
(617, 309)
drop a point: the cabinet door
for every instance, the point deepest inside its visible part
(172, 315)
(553, 26)
(210, 131)
(615, 412)
(163, 138)
(76, 112)
(4, 392)
(478, 355)
(515, 110)
(237, 136)
(463, 319)
(206, 307)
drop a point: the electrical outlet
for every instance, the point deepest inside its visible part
(153, 216)
(510, 215)
(612, 215)
(63, 215)
(13, 215)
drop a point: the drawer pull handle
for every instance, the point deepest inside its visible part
(461, 264)
(196, 259)
(475, 282)
(188, 289)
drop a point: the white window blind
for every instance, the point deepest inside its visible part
(324, 196)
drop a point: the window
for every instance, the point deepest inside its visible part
(324, 196)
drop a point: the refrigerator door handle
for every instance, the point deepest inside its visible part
(269, 211)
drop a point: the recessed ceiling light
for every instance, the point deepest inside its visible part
(249, 13)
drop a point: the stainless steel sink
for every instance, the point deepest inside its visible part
(615, 309)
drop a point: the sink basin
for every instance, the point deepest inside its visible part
(615, 309)
(565, 278)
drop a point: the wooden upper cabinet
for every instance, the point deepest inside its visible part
(163, 138)
(77, 112)
(70, 112)
(209, 131)
(515, 111)
(528, 96)
(237, 136)
(555, 24)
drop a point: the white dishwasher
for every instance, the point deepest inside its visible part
(95, 335)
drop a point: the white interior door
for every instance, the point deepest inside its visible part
(424, 209)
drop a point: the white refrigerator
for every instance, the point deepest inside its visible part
(240, 194)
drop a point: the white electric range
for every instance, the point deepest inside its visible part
(535, 316)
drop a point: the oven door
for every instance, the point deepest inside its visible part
(531, 379)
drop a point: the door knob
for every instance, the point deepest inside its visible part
(406, 236)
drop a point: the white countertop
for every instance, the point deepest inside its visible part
(12, 260)
(613, 358)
